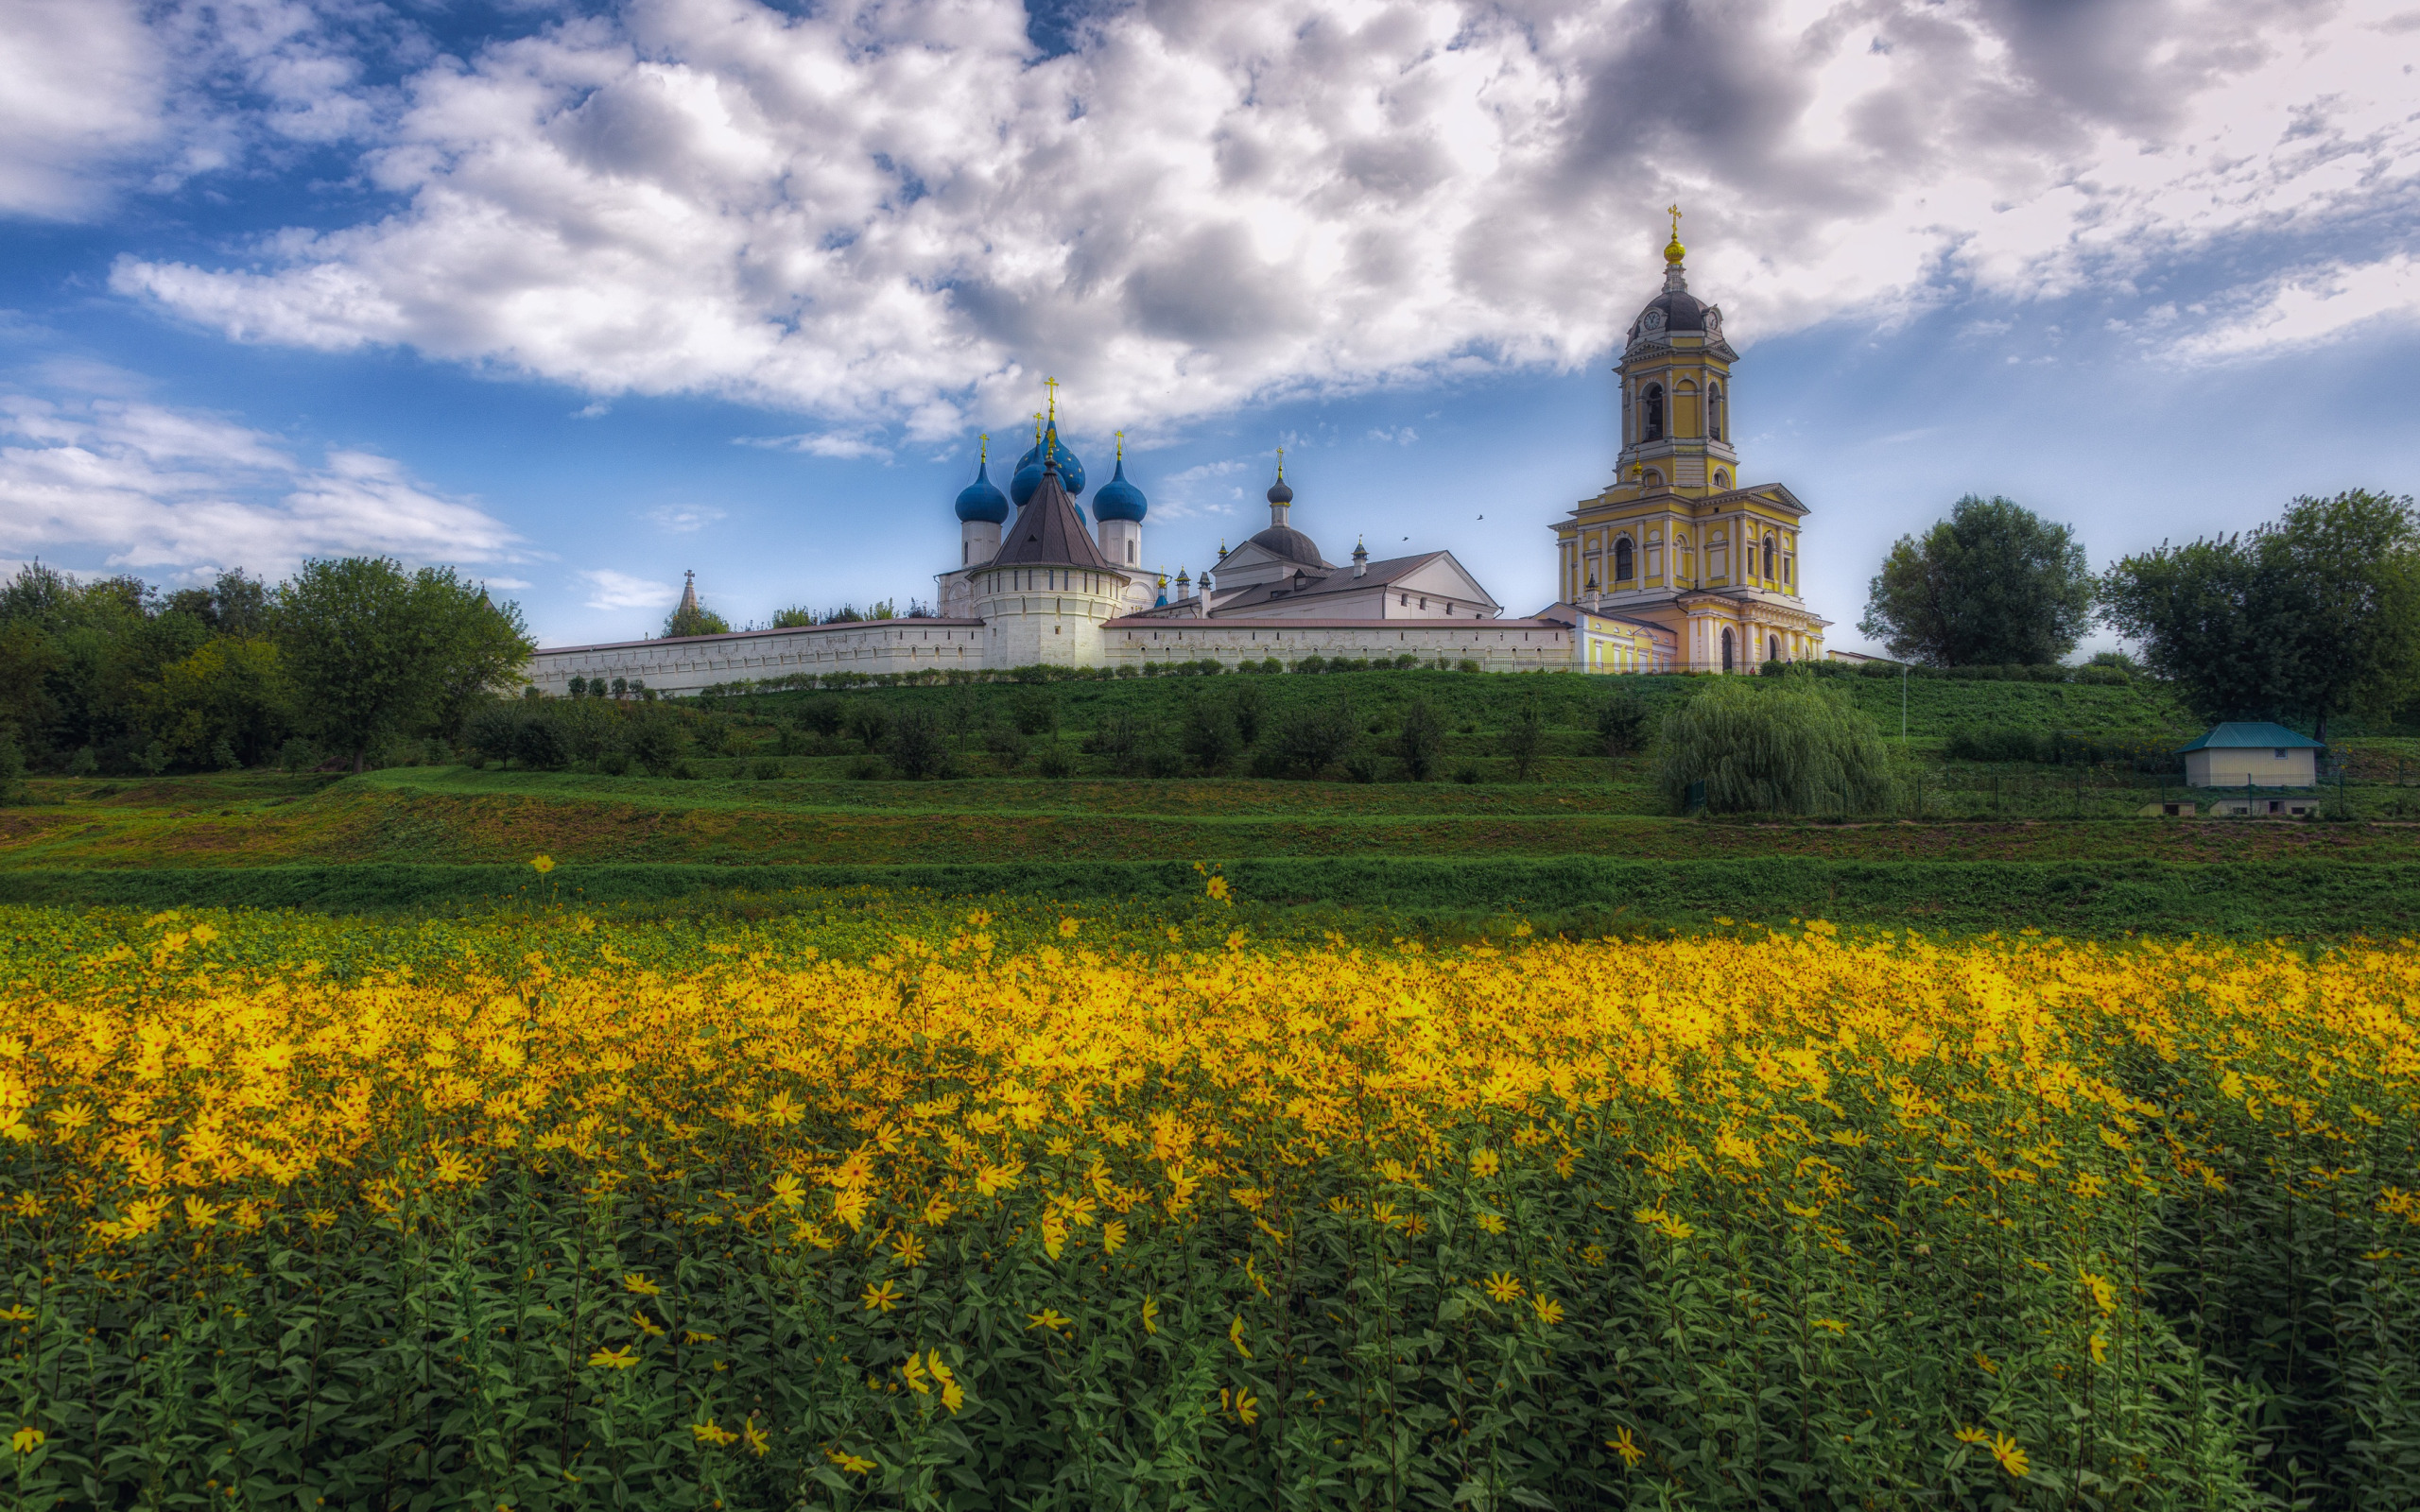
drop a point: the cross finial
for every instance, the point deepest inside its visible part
(1121, 446)
(983, 448)
(1052, 384)
(1280, 464)
(1674, 210)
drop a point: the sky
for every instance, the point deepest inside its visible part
(577, 295)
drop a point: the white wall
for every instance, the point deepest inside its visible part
(2257, 764)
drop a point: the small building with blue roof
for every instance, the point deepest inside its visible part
(2251, 754)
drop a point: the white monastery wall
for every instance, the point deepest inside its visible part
(692, 662)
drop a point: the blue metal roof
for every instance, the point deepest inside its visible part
(2247, 734)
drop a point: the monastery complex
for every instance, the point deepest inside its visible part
(1675, 567)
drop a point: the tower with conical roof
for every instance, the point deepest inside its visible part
(1675, 539)
(1043, 597)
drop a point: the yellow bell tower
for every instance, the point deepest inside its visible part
(1675, 540)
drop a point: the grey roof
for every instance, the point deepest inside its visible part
(1050, 533)
(1308, 582)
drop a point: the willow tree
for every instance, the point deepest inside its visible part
(1773, 745)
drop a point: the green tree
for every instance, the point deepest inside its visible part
(1313, 737)
(1210, 736)
(1785, 745)
(1621, 721)
(1522, 739)
(2314, 615)
(916, 745)
(691, 618)
(1994, 583)
(372, 651)
(229, 692)
(1421, 741)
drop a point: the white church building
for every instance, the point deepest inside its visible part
(1037, 583)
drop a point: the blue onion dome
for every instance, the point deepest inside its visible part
(1279, 492)
(1120, 499)
(982, 498)
(1071, 471)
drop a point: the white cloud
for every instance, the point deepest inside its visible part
(683, 522)
(609, 589)
(2315, 306)
(840, 445)
(1399, 436)
(892, 213)
(82, 83)
(146, 487)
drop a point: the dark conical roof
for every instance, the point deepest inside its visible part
(1050, 533)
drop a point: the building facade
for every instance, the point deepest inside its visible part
(1673, 567)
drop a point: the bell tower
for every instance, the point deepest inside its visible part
(1676, 539)
(1675, 390)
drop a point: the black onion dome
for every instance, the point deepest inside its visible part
(1290, 543)
(1683, 311)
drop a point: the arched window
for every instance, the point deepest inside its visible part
(1623, 556)
(1772, 647)
(1652, 480)
(1713, 412)
(1768, 557)
(1726, 648)
(1653, 426)
(1722, 478)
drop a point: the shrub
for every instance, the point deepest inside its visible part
(1313, 662)
(657, 741)
(1784, 745)
(613, 763)
(1007, 743)
(1524, 737)
(1312, 738)
(1466, 664)
(864, 769)
(1250, 706)
(1621, 721)
(1210, 736)
(822, 714)
(1117, 736)
(1055, 764)
(1466, 774)
(12, 770)
(1421, 743)
(868, 723)
(917, 744)
(538, 742)
(1036, 711)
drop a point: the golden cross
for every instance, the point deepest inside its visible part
(1121, 446)
(1675, 211)
(1281, 462)
(1052, 384)
(985, 438)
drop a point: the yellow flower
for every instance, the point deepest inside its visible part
(613, 1359)
(788, 1193)
(646, 1325)
(693, 1336)
(1485, 1162)
(16, 1315)
(853, 1464)
(758, 1441)
(1490, 1223)
(2099, 1348)
(909, 1250)
(637, 1283)
(912, 1371)
(2011, 1457)
(1049, 1318)
(1218, 888)
(1113, 1237)
(1973, 1435)
(1236, 1336)
(542, 865)
(708, 1433)
(25, 1440)
(882, 1298)
(1503, 1288)
(2103, 1293)
(1067, 928)
(200, 1214)
(1150, 1314)
(1627, 1447)
(1247, 1407)
(1549, 1311)
(1831, 1324)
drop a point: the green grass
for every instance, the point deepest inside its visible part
(1579, 894)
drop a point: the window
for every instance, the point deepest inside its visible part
(1722, 478)
(1726, 648)
(1772, 647)
(1623, 557)
(1129, 551)
(2281, 755)
(1713, 412)
(1769, 556)
(1652, 480)
(1653, 428)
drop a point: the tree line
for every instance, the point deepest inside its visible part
(2311, 617)
(114, 675)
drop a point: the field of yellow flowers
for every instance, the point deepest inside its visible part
(909, 1204)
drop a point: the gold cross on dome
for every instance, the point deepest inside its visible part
(1052, 384)
(1674, 210)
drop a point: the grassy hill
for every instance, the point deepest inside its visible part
(1586, 844)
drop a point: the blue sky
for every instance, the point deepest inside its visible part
(579, 297)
